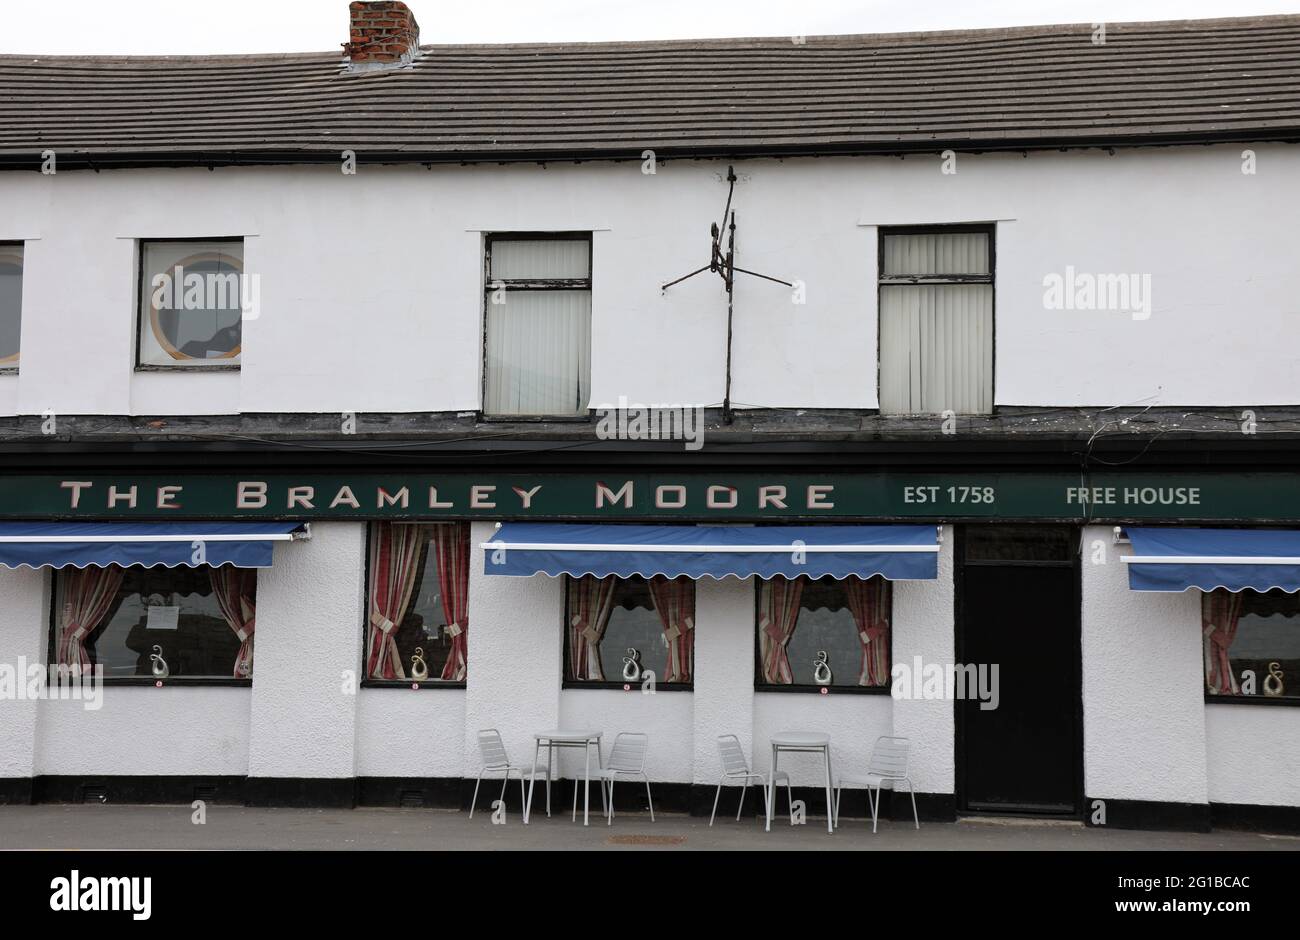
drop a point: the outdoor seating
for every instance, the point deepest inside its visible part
(886, 768)
(627, 759)
(495, 760)
(736, 767)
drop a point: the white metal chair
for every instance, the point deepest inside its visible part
(627, 759)
(886, 769)
(495, 759)
(736, 767)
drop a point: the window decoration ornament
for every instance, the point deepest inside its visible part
(419, 668)
(632, 665)
(822, 669)
(723, 264)
(160, 670)
(1273, 681)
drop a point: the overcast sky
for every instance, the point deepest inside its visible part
(191, 27)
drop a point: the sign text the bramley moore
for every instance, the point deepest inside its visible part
(663, 495)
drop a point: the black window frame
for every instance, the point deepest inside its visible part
(897, 280)
(13, 369)
(1289, 700)
(52, 641)
(528, 284)
(365, 682)
(141, 292)
(760, 685)
(617, 684)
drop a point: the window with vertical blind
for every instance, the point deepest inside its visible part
(11, 303)
(936, 320)
(537, 325)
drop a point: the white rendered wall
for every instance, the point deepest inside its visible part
(309, 614)
(381, 274)
(148, 732)
(513, 677)
(1254, 755)
(24, 626)
(410, 733)
(1144, 725)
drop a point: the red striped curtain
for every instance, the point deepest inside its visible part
(452, 543)
(778, 612)
(675, 603)
(88, 595)
(1220, 614)
(236, 592)
(869, 602)
(395, 550)
(590, 601)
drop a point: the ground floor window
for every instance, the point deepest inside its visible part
(417, 619)
(1252, 643)
(157, 622)
(823, 633)
(618, 629)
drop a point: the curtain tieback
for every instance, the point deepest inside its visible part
(382, 623)
(688, 623)
(590, 635)
(454, 630)
(78, 633)
(672, 633)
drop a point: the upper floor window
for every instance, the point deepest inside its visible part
(156, 623)
(1252, 645)
(936, 320)
(621, 629)
(190, 309)
(11, 303)
(823, 632)
(417, 608)
(537, 325)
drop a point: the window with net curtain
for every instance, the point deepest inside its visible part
(936, 320)
(537, 356)
(11, 303)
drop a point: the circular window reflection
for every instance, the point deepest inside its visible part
(201, 317)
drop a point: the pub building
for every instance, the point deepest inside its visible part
(984, 429)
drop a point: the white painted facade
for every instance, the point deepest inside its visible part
(372, 284)
(1148, 735)
(372, 300)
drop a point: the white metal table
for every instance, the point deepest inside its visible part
(557, 739)
(802, 742)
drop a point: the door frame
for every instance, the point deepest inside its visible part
(960, 565)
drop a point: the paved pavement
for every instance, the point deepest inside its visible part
(237, 827)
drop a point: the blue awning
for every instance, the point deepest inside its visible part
(1236, 559)
(897, 552)
(170, 544)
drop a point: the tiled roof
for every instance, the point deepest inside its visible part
(1175, 82)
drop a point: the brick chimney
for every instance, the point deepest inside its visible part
(381, 33)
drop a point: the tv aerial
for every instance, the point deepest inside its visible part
(723, 264)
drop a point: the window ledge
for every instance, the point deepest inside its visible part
(222, 367)
(1271, 700)
(828, 689)
(629, 687)
(411, 685)
(177, 681)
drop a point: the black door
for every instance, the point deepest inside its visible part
(1018, 607)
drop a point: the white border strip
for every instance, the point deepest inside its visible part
(1209, 560)
(784, 548)
(48, 539)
